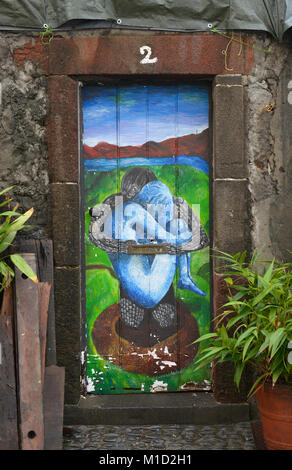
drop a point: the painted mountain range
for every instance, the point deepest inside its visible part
(189, 145)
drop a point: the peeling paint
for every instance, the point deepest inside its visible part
(189, 386)
(169, 363)
(166, 351)
(153, 354)
(82, 357)
(90, 385)
(149, 353)
(158, 386)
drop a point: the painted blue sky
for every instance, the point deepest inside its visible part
(135, 114)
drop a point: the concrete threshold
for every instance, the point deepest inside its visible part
(157, 408)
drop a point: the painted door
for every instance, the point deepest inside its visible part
(146, 203)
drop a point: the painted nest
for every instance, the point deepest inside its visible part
(134, 351)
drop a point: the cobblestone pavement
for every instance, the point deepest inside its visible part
(161, 437)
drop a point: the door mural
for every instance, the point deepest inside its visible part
(146, 183)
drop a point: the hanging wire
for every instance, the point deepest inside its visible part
(225, 53)
(232, 38)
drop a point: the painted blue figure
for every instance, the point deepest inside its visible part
(145, 212)
(149, 218)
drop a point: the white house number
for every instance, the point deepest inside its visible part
(147, 51)
(290, 92)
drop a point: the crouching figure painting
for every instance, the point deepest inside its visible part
(146, 181)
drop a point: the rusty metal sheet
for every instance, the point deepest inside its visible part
(44, 289)
(8, 400)
(29, 360)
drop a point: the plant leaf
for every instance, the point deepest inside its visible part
(238, 373)
(229, 281)
(276, 340)
(4, 203)
(6, 241)
(7, 275)
(24, 267)
(246, 346)
(10, 213)
(205, 337)
(20, 221)
(246, 333)
(6, 190)
(254, 387)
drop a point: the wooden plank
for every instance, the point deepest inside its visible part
(44, 289)
(29, 360)
(45, 272)
(8, 400)
(54, 407)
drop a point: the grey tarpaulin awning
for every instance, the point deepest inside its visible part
(273, 16)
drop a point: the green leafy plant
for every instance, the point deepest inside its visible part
(256, 325)
(10, 223)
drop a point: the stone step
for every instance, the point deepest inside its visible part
(157, 408)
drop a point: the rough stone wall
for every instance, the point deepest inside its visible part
(268, 148)
(23, 151)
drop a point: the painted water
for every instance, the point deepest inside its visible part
(105, 164)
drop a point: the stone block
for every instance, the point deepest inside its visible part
(65, 214)
(231, 218)
(229, 80)
(63, 130)
(199, 54)
(229, 159)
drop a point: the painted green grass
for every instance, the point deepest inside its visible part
(102, 289)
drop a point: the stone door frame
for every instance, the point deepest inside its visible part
(73, 61)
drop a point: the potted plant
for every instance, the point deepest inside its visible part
(255, 329)
(11, 222)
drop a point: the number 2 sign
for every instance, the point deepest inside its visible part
(147, 51)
